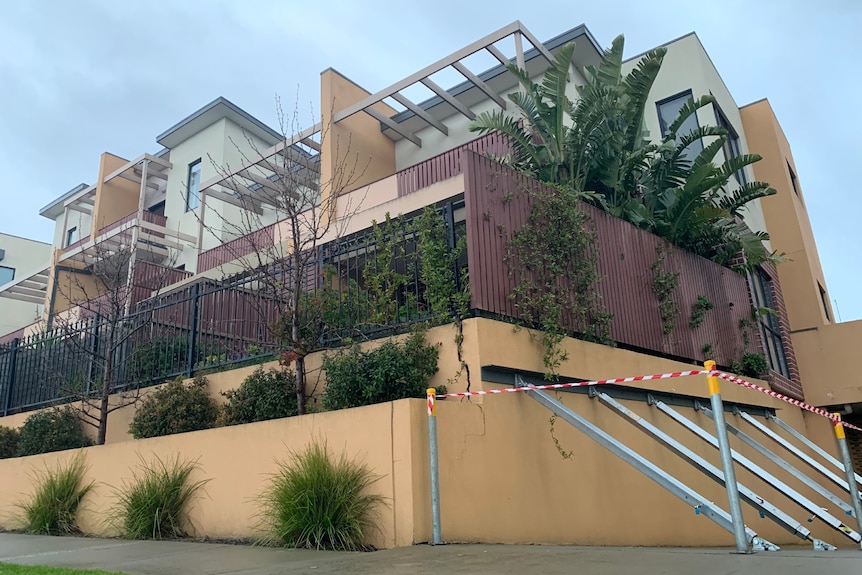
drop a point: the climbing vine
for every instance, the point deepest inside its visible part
(664, 283)
(447, 288)
(698, 311)
(552, 259)
(383, 282)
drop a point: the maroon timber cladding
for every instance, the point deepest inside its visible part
(240, 247)
(448, 164)
(626, 255)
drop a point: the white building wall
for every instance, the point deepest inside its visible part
(687, 66)
(26, 257)
(219, 147)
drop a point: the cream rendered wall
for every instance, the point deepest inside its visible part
(687, 66)
(83, 222)
(434, 142)
(216, 152)
(26, 257)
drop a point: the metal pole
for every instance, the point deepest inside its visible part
(435, 475)
(726, 461)
(848, 469)
(10, 375)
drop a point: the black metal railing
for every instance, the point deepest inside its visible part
(212, 325)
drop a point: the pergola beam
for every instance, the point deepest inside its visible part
(429, 70)
(476, 81)
(393, 125)
(449, 98)
(407, 103)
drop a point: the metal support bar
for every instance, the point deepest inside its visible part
(10, 375)
(810, 444)
(784, 464)
(730, 483)
(193, 329)
(842, 483)
(848, 469)
(435, 473)
(711, 471)
(811, 507)
(676, 487)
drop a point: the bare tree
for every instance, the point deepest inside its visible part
(95, 335)
(281, 209)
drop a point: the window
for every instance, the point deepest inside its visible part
(770, 330)
(793, 181)
(824, 301)
(71, 236)
(193, 198)
(6, 275)
(668, 110)
(731, 145)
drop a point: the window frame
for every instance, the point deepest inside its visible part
(732, 147)
(770, 328)
(194, 166)
(794, 179)
(685, 95)
(69, 232)
(824, 301)
(10, 279)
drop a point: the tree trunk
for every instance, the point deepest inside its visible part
(300, 386)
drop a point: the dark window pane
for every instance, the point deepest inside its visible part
(668, 111)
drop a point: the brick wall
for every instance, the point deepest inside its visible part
(791, 386)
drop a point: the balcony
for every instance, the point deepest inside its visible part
(149, 234)
(626, 254)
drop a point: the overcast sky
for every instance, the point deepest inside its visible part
(81, 77)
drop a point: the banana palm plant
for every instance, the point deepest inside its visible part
(689, 202)
(596, 148)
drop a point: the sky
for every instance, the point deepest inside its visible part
(78, 78)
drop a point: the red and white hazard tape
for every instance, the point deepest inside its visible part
(577, 384)
(727, 376)
(790, 400)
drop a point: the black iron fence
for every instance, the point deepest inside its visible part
(212, 325)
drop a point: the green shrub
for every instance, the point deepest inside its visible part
(263, 395)
(54, 505)
(154, 504)
(169, 354)
(754, 364)
(8, 442)
(315, 502)
(389, 372)
(175, 408)
(51, 430)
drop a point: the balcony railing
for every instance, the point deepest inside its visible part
(237, 248)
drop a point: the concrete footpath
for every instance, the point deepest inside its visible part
(182, 558)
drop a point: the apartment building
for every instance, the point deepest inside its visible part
(202, 208)
(21, 302)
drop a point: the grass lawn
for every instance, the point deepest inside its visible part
(10, 569)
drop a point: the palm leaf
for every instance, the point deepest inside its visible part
(689, 108)
(741, 196)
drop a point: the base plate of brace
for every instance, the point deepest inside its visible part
(820, 545)
(761, 544)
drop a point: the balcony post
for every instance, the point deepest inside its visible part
(193, 329)
(10, 375)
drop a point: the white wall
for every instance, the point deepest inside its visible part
(687, 66)
(83, 222)
(26, 257)
(220, 146)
